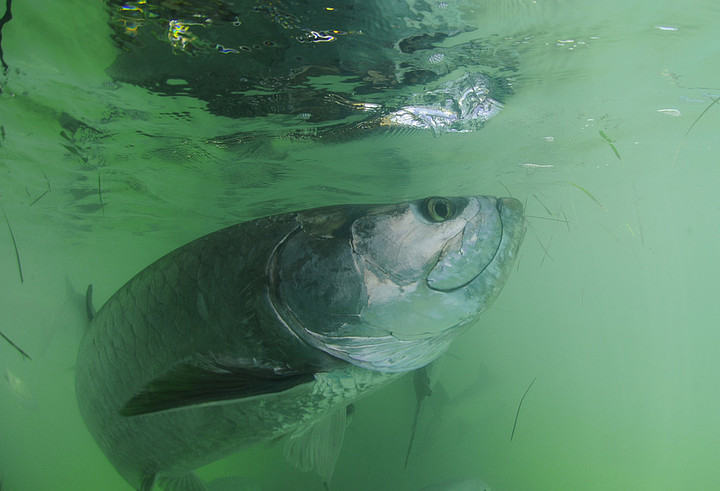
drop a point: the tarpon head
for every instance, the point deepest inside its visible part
(388, 287)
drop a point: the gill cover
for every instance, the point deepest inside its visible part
(388, 287)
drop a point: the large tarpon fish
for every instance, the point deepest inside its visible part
(275, 325)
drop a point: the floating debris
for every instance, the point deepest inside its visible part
(666, 28)
(74, 149)
(49, 188)
(22, 352)
(39, 197)
(715, 100)
(589, 195)
(675, 113)
(529, 165)
(610, 142)
(12, 236)
(508, 191)
(545, 249)
(543, 204)
(517, 413)
(547, 254)
(567, 223)
(548, 218)
(688, 100)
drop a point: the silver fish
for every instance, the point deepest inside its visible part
(273, 326)
(460, 105)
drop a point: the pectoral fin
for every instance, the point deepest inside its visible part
(316, 447)
(207, 382)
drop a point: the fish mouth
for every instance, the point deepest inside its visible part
(478, 245)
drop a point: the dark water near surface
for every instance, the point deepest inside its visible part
(613, 312)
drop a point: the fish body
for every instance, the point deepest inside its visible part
(267, 327)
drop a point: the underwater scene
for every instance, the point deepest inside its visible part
(359, 245)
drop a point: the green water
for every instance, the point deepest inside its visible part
(613, 313)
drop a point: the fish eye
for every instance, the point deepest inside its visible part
(439, 209)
